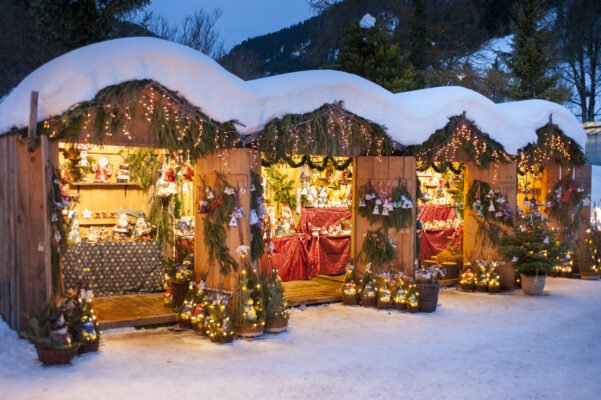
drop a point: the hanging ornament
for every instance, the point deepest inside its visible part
(243, 190)
(385, 211)
(203, 207)
(239, 213)
(254, 219)
(252, 188)
(514, 259)
(233, 221)
(378, 201)
(546, 241)
(362, 202)
(376, 210)
(480, 213)
(491, 208)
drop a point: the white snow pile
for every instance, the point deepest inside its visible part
(368, 21)
(475, 346)
(410, 117)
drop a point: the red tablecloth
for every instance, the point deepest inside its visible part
(435, 212)
(301, 258)
(322, 217)
(185, 245)
(433, 241)
(328, 254)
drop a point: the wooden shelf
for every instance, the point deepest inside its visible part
(89, 184)
(97, 221)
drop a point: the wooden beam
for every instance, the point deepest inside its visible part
(32, 130)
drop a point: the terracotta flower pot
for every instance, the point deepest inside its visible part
(276, 325)
(533, 285)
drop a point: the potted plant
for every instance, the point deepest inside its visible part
(81, 320)
(494, 280)
(217, 322)
(350, 294)
(533, 250)
(184, 313)
(249, 310)
(400, 296)
(179, 276)
(426, 283)
(368, 289)
(384, 295)
(50, 336)
(467, 279)
(482, 278)
(275, 302)
(412, 300)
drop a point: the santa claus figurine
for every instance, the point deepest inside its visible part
(103, 171)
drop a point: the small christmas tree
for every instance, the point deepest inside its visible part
(73, 236)
(249, 305)
(349, 287)
(218, 323)
(533, 246)
(82, 322)
(368, 288)
(400, 295)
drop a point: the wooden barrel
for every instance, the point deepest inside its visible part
(428, 296)
(276, 325)
(248, 331)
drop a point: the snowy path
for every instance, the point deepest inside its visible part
(475, 346)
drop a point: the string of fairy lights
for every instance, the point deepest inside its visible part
(186, 120)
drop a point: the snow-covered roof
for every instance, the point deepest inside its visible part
(410, 117)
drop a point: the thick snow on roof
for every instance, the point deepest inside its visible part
(410, 117)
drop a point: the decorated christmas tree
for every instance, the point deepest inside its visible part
(217, 322)
(349, 287)
(82, 322)
(249, 305)
(533, 247)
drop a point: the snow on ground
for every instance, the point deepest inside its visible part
(476, 346)
(410, 117)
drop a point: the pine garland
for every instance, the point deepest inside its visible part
(480, 191)
(567, 213)
(441, 167)
(399, 218)
(461, 138)
(144, 166)
(328, 130)
(308, 160)
(377, 250)
(552, 146)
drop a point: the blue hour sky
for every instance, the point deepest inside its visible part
(241, 19)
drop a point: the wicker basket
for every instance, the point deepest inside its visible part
(412, 309)
(428, 296)
(467, 287)
(400, 306)
(482, 288)
(494, 289)
(384, 305)
(55, 357)
(350, 300)
(248, 331)
(593, 276)
(179, 290)
(276, 325)
(566, 274)
(369, 301)
(89, 347)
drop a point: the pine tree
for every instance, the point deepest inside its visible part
(418, 45)
(533, 60)
(371, 54)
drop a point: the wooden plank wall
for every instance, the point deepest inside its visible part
(499, 176)
(386, 171)
(235, 166)
(25, 265)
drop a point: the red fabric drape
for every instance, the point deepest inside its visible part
(433, 241)
(434, 212)
(322, 217)
(328, 254)
(290, 257)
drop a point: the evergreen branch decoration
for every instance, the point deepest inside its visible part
(282, 187)
(175, 123)
(144, 165)
(461, 138)
(482, 192)
(220, 209)
(399, 218)
(329, 130)
(257, 246)
(552, 146)
(308, 160)
(377, 250)
(441, 167)
(565, 203)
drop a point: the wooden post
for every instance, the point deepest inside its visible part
(32, 130)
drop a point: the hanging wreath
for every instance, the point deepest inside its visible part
(386, 207)
(308, 160)
(565, 202)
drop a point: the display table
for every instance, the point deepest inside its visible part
(291, 257)
(433, 241)
(114, 268)
(328, 254)
(322, 217)
(435, 212)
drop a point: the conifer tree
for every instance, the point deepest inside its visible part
(418, 46)
(370, 53)
(533, 59)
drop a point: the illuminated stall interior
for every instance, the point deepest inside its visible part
(131, 208)
(308, 219)
(441, 214)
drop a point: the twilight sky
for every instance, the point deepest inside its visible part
(241, 19)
